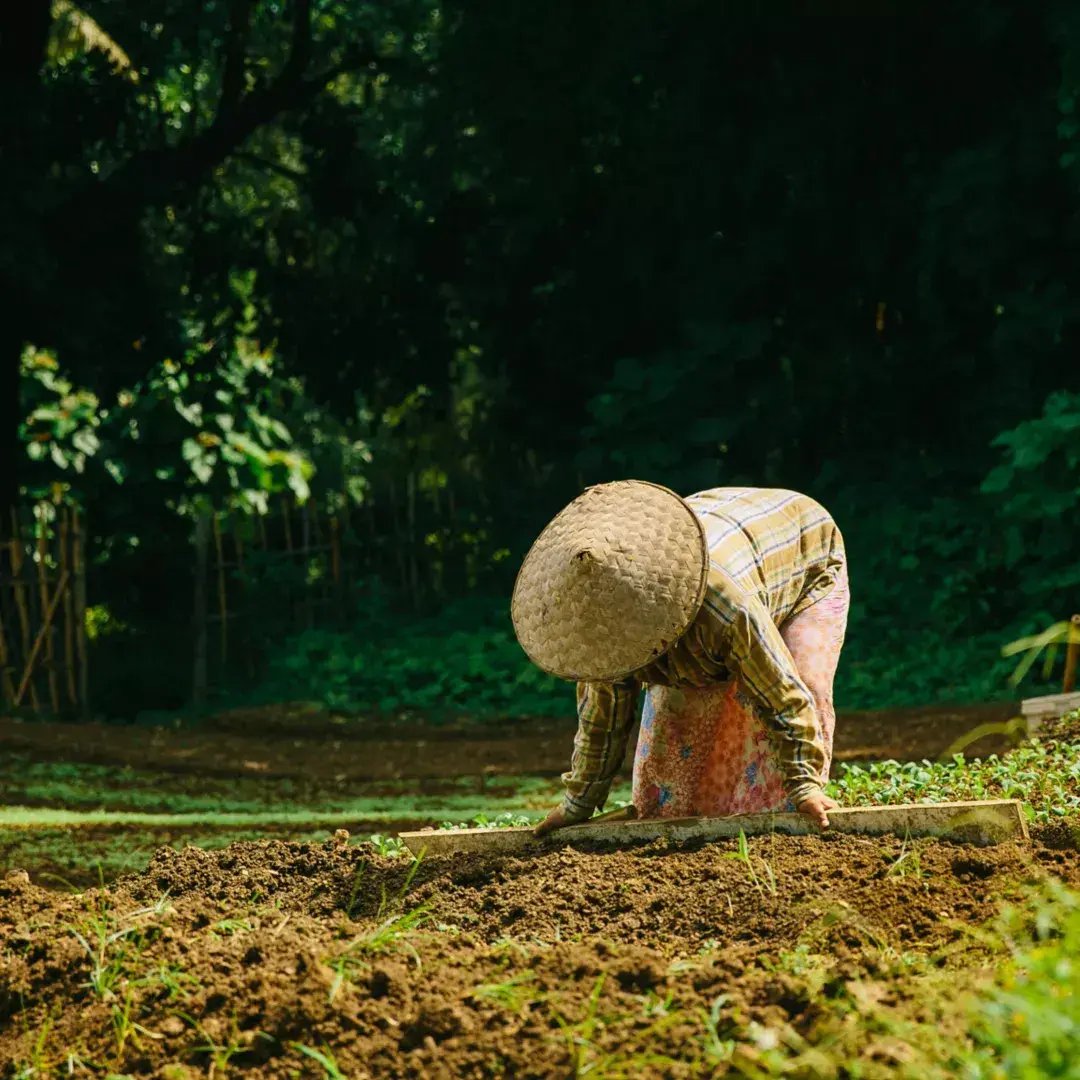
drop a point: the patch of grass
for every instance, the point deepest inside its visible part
(228, 927)
(1028, 1024)
(513, 994)
(173, 980)
(392, 930)
(36, 1065)
(908, 863)
(321, 1057)
(588, 1059)
(89, 787)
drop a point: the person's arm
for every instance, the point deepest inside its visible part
(756, 650)
(605, 716)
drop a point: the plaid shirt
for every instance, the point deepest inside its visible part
(771, 555)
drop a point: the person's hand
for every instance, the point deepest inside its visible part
(559, 818)
(817, 807)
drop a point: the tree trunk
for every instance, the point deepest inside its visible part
(10, 447)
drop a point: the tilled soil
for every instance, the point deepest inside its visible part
(306, 743)
(255, 959)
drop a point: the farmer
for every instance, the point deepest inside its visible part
(729, 608)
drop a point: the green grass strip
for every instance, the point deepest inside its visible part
(33, 817)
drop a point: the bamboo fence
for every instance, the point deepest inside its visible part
(299, 552)
(43, 654)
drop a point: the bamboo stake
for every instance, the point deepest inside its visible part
(20, 598)
(43, 594)
(288, 524)
(1072, 655)
(335, 550)
(223, 605)
(7, 687)
(78, 570)
(305, 539)
(414, 564)
(238, 544)
(198, 680)
(64, 562)
(326, 585)
(42, 634)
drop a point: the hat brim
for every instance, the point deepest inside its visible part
(612, 583)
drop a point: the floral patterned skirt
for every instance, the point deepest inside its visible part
(706, 750)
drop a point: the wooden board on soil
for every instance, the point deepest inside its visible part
(983, 822)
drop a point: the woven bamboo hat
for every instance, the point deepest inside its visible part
(612, 583)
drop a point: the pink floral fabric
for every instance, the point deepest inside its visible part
(705, 751)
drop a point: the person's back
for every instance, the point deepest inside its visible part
(779, 546)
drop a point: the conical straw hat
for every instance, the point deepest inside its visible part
(612, 583)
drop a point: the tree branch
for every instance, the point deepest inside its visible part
(272, 166)
(232, 78)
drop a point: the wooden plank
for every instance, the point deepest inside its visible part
(983, 822)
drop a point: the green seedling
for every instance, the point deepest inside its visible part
(742, 854)
(513, 995)
(389, 847)
(588, 1060)
(908, 862)
(172, 979)
(392, 931)
(37, 1064)
(228, 927)
(322, 1057)
(652, 1005)
(107, 957)
(715, 1049)
(220, 1054)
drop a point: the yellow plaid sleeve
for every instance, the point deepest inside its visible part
(754, 647)
(605, 716)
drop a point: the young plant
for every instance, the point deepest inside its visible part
(908, 862)
(589, 1060)
(37, 1064)
(322, 1057)
(391, 932)
(715, 1049)
(389, 847)
(172, 980)
(228, 927)
(107, 956)
(742, 854)
(513, 995)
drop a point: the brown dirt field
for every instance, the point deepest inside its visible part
(295, 741)
(516, 967)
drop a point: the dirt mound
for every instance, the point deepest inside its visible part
(275, 959)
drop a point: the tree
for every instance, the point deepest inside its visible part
(87, 156)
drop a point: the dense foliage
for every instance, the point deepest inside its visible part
(451, 263)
